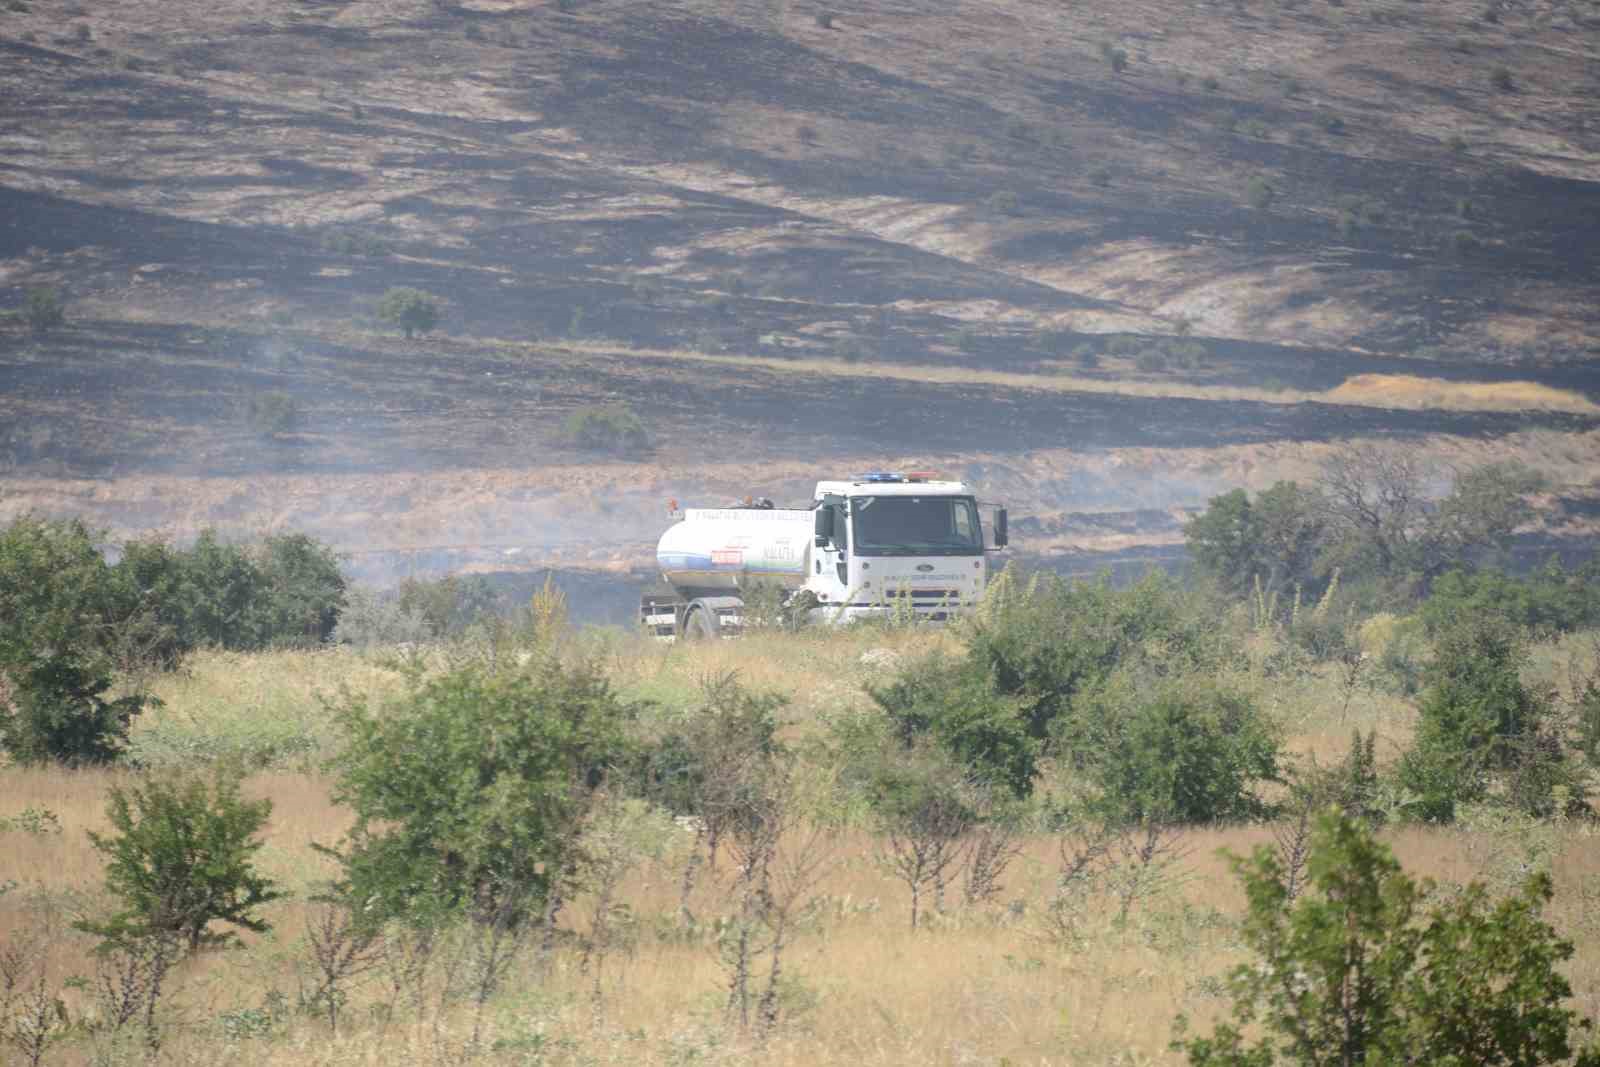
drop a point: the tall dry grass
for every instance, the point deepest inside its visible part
(985, 985)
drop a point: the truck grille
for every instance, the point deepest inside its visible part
(924, 596)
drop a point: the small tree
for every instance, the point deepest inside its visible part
(472, 786)
(1353, 972)
(53, 708)
(181, 857)
(412, 310)
(272, 414)
(44, 311)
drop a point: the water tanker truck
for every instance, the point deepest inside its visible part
(906, 545)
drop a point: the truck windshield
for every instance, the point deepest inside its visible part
(916, 526)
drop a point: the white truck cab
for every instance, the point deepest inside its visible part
(882, 543)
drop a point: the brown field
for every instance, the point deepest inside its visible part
(984, 985)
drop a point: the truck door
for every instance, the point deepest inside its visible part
(831, 567)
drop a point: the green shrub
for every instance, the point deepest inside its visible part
(303, 590)
(1100, 176)
(273, 413)
(181, 858)
(608, 429)
(1260, 192)
(1354, 971)
(447, 606)
(43, 311)
(1044, 645)
(1477, 721)
(1551, 600)
(956, 707)
(1151, 361)
(1124, 345)
(1210, 83)
(1116, 58)
(1185, 749)
(825, 19)
(468, 789)
(412, 310)
(1500, 77)
(1086, 357)
(1004, 202)
(53, 707)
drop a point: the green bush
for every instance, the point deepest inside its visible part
(273, 413)
(53, 708)
(181, 858)
(1185, 749)
(1355, 971)
(412, 310)
(608, 429)
(1477, 722)
(1551, 600)
(468, 789)
(43, 311)
(1047, 643)
(303, 590)
(956, 707)
(1276, 537)
(1004, 202)
(1116, 58)
(1260, 192)
(1500, 77)
(447, 606)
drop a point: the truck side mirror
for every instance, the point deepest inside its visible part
(1002, 537)
(824, 526)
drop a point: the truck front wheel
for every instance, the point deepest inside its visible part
(701, 624)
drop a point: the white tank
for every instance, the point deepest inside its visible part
(718, 549)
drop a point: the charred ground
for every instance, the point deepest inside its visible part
(1294, 192)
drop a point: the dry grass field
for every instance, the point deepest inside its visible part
(992, 984)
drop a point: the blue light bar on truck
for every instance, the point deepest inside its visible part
(880, 477)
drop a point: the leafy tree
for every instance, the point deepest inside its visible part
(181, 858)
(412, 310)
(43, 311)
(1354, 971)
(58, 610)
(1060, 637)
(1382, 521)
(1477, 719)
(468, 790)
(447, 605)
(1550, 600)
(611, 429)
(53, 708)
(304, 589)
(1276, 537)
(273, 413)
(1183, 749)
(959, 709)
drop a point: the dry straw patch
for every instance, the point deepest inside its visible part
(973, 986)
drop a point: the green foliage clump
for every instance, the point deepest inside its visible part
(606, 429)
(61, 613)
(468, 789)
(448, 606)
(1479, 722)
(1185, 749)
(181, 858)
(1116, 58)
(1356, 971)
(1500, 77)
(44, 311)
(1551, 600)
(1004, 202)
(1260, 192)
(958, 708)
(1276, 536)
(1044, 645)
(273, 413)
(412, 310)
